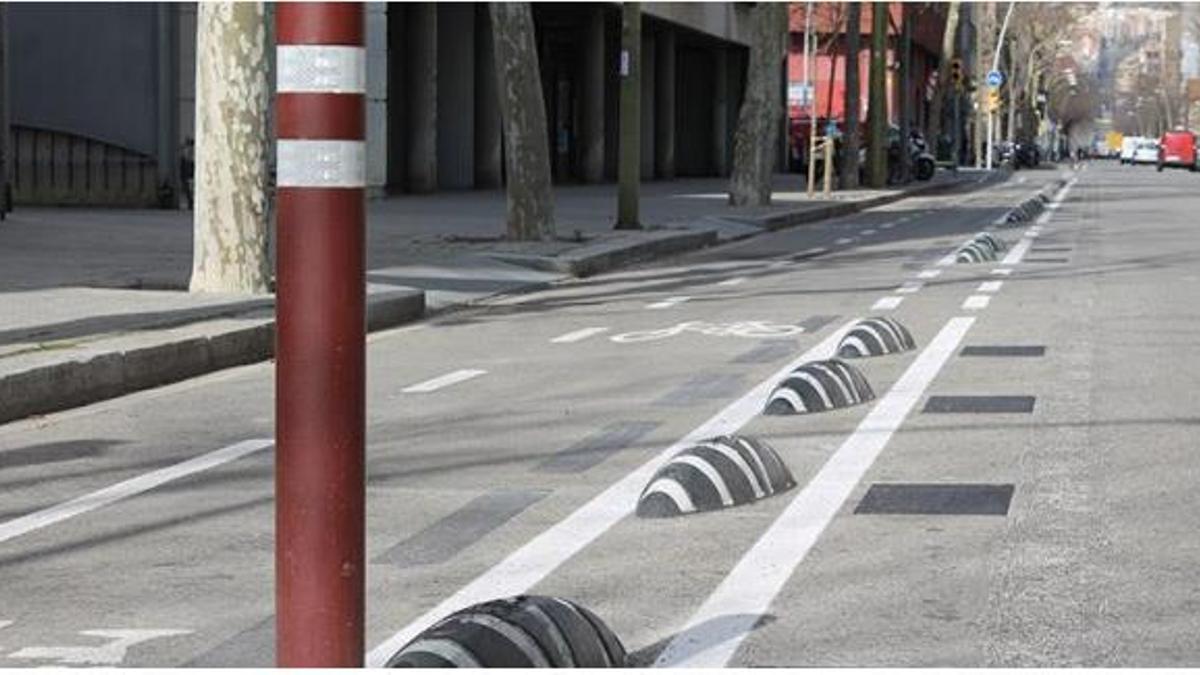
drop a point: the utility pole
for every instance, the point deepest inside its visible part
(991, 119)
(629, 168)
(877, 99)
(905, 90)
(320, 392)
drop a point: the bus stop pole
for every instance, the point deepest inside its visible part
(320, 393)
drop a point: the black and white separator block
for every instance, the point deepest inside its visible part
(718, 473)
(975, 251)
(876, 336)
(818, 386)
(526, 631)
(991, 240)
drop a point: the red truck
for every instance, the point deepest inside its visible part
(1177, 149)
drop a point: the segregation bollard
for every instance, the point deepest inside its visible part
(320, 341)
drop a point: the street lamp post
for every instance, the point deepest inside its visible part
(991, 119)
(320, 394)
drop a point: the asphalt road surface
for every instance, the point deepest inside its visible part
(1032, 462)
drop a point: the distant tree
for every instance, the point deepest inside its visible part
(944, 86)
(523, 114)
(232, 91)
(756, 140)
(853, 104)
(877, 104)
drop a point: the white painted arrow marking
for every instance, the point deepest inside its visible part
(110, 654)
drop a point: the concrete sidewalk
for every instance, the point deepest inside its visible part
(93, 302)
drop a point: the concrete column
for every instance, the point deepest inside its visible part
(664, 104)
(591, 136)
(489, 157)
(648, 107)
(720, 140)
(421, 96)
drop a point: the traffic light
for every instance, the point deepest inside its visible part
(956, 73)
(993, 100)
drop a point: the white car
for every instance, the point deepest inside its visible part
(1128, 145)
(1146, 152)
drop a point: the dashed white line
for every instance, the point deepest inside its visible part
(577, 335)
(948, 259)
(909, 287)
(887, 226)
(443, 381)
(976, 301)
(732, 282)
(843, 241)
(717, 629)
(989, 287)
(1003, 271)
(867, 233)
(540, 556)
(929, 274)
(128, 488)
(888, 302)
(669, 302)
(1017, 252)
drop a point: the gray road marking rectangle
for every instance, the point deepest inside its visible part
(768, 351)
(1050, 249)
(979, 404)
(596, 448)
(445, 538)
(702, 387)
(1046, 260)
(936, 499)
(818, 321)
(1003, 350)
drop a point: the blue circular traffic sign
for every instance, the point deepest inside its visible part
(995, 78)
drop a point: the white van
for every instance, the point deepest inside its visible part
(1146, 151)
(1128, 145)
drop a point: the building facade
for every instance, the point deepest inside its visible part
(104, 121)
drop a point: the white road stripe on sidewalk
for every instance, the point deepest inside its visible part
(581, 334)
(531, 563)
(732, 282)
(976, 302)
(669, 302)
(443, 381)
(888, 302)
(989, 287)
(717, 629)
(909, 287)
(134, 486)
(929, 274)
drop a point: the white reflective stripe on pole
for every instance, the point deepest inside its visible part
(321, 69)
(320, 164)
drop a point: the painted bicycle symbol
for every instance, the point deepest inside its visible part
(742, 329)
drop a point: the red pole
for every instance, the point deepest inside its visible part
(320, 407)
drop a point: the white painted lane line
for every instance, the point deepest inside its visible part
(531, 563)
(989, 287)
(888, 302)
(910, 287)
(976, 301)
(1017, 252)
(778, 263)
(948, 259)
(443, 381)
(669, 302)
(1003, 271)
(577, 335)
(110, 654)
(717, 629)
(888, 226)
(732, 282)
(843, 241)
(867, 233)
(128, 488)
(929, 274)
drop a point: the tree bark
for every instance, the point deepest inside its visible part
(232, 92)
(938, 104)
(629, 168)
(877, 112)
(755, 143)
(853, 104)
(523, 113)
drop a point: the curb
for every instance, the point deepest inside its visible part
(105, 375)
